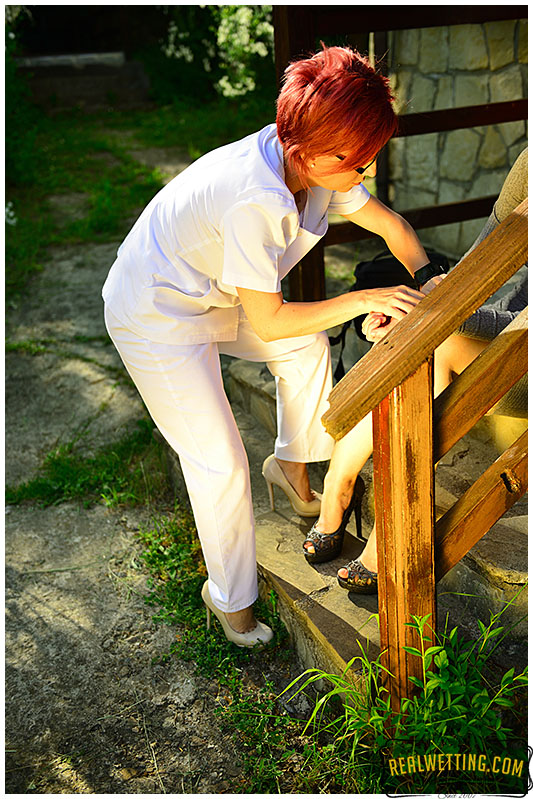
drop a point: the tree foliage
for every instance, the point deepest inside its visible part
(230, 46)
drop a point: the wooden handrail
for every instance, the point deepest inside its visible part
(415, 338)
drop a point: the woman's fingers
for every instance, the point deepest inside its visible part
(375, 335)
(372, 322)
(395, 301)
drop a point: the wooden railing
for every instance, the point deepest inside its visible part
(412, 432)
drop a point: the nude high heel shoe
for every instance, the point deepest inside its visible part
(261, 634)
(273, 474)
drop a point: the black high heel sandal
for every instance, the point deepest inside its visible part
(360, 580)
(328, 545)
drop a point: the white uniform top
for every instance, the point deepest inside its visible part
(227, 220)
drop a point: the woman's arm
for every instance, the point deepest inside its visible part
(398, 234)
(273, 319)
(403, 243)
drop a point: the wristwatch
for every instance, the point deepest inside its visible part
(428, 271)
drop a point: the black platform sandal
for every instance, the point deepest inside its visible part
(328, 545)
(360, 580)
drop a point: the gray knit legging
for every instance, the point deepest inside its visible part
(495, 315)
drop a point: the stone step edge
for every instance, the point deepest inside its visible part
(305, 619)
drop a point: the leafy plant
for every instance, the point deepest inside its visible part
(459, 709)
(226, 50)
(245, 38)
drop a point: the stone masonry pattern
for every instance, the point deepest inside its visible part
(451, 67)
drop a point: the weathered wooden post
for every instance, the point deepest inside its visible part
(404, 503)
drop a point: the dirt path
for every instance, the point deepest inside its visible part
(86, 709)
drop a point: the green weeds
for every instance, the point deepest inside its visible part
(276, 756)
(173, 555)
(461, 709)
(120, 473)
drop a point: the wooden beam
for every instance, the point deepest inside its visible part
(404, 500)
(481, 385)
(504, 482)
(420, 332)
(294, 35)
(340, 20)
(307, 281)
(462, 117)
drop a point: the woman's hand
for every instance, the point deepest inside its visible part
(376, 326)
(392, 301)
(272, 318)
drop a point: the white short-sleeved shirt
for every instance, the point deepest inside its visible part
(227, 220)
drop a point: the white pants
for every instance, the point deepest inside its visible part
(182, 388)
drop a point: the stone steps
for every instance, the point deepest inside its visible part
(486, 579)
(87, 80)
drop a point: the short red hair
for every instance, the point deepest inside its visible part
(334, 103)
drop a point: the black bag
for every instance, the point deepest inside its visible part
(381, 271)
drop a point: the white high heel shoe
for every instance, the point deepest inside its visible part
(261, 634)
(273, 474)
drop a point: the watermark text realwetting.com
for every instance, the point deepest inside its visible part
(443, 762)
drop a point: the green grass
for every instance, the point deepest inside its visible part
(276, 755)
(71, 149)
(197, 128)
(124, 472)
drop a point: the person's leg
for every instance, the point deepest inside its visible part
(452, 357)
(182, 389)
(349, 456)
(301, 367)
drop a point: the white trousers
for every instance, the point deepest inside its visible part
(182, 388)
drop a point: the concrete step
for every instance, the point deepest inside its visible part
(87, 80)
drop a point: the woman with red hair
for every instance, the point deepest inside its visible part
(200, 274)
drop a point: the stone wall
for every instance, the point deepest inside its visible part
(439, 68)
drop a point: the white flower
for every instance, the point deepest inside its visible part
(11, 218)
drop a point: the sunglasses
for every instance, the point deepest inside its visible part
(360, 169)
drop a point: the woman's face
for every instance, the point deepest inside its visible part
(321, 173)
